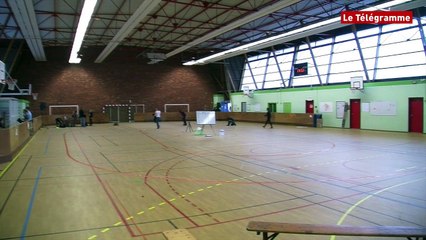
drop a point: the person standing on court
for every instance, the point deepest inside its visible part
(82, 117)
(157, 117)
(183, 115)
(90, 117)
(268, 116)
(74, 120)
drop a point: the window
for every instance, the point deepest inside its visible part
(399, 54)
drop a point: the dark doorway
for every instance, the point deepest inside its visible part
(272, 107)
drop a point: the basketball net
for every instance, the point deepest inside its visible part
(10, 84)
(248, 93)
(35, 95)
(355, 90)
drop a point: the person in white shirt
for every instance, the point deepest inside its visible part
(157, 117)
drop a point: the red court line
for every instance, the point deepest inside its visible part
(127, 212)
(80, 162)
(162, 197)
(93, 168)
(263, 214)
(186, 199)
(146, 178)
(248, 217)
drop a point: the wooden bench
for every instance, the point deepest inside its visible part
(320, 229)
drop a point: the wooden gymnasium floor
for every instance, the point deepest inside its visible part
(133, 181)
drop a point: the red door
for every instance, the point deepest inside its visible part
(415, 115)
(355, 111)
(309, 106)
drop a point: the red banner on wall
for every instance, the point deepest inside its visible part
(376, 17)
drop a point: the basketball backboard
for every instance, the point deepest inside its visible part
(2, 72)
(357, 83)
(247, 91)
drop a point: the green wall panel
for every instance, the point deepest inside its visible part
(293, 101)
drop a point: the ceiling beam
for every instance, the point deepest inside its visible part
(309, 30)
(23, 11)
(144, 9)
(261, 13)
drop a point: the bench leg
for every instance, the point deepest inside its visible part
(271, 237)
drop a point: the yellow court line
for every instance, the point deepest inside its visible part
(259, 174)
(16, 157)
(366, 198)
(171, 200)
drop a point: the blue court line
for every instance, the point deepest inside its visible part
(47, 144)
(30, 206)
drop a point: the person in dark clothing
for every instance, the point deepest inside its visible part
(268, 116)
(218, 106)
(183, 115)
(60, 123)
(82, 117)
(90, 117)
(74, 119)
(231, 122)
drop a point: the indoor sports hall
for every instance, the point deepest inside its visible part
(134, 182)
(211, 120)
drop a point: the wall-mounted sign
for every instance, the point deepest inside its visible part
(300, 69)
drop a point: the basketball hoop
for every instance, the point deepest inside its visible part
(35, 95)
(357, 84)
(248, 92)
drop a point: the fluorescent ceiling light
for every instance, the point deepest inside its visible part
(83, 23)
(315, 28)
(256, 45)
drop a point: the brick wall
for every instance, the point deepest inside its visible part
(122, 77)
